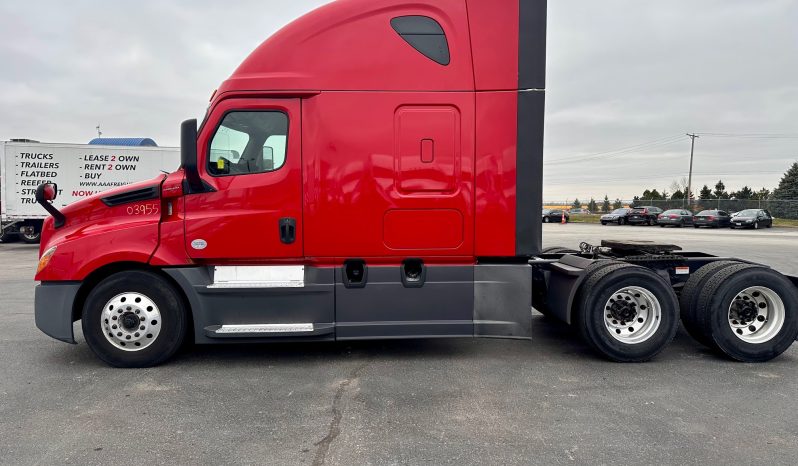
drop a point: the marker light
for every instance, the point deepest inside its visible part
(45, 259)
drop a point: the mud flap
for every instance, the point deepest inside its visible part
(503, 300)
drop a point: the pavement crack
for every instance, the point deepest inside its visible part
(323, 445)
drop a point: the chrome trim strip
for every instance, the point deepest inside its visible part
(265, 328)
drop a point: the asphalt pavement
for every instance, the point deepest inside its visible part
(546, 401)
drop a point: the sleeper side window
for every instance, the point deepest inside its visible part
(425, 35)
(248, 142)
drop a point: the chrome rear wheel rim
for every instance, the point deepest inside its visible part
(756, 315)
(632, 315)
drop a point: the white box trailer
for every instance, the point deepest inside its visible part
(79, 170)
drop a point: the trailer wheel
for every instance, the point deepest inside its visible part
(749, 312)
(627, 313)
(8, 236)
(134, 319)
(688, 300)
(31, 238)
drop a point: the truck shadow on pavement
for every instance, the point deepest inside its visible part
(551, 341)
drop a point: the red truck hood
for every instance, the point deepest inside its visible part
(102, 209)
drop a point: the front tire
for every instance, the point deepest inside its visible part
(627, 313)
(546, 220)
(134, 319)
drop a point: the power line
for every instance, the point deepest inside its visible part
(615, 153)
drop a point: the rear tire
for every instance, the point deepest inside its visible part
(691, 293)
(621, 221)
(158, 305)
(619, 291)
(750, 312)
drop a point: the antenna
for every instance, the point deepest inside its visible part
(99, 133)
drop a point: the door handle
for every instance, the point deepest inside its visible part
(287, 230)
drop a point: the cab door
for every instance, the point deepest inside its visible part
(249, 157)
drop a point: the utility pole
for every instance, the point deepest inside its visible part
(690, 177)
(99, 133)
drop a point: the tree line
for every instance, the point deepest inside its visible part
(786, 191)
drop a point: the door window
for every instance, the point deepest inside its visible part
(248, 142)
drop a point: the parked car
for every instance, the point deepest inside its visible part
(752, 218)
(675, 217)
(554, 216)
(644, 215)
(619, 216)
(712, 219)
(579, 212)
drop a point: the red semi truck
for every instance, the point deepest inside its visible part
(374, 170)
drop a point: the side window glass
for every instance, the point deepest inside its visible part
(248, 142)
(425, 35)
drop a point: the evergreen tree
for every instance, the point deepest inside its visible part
(788, 186)
(744, 193)
(787, 190)
(577, 204)
(720, 191)
(617, 204)
(592, 206)
(705, 193)
(605, 206)
(762, 195)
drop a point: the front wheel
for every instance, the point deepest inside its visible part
(546, 220)
(627, 313)
(134, 319)
(621, 221)
(756, 225)
(604, 223)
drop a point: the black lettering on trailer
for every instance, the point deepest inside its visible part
(124, 167)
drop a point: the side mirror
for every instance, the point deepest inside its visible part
(46, 192)
(188, 156)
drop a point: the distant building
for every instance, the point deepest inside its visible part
(140, 142)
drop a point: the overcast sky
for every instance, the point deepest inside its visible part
(626, 80)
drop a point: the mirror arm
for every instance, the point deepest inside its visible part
(58, 216)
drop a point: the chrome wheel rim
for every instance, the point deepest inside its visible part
(632, 315)
(131, 321)
(756, 314)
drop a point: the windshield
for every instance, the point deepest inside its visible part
(747, 213)
(546, 211)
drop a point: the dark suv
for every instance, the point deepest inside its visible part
(644, 215)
